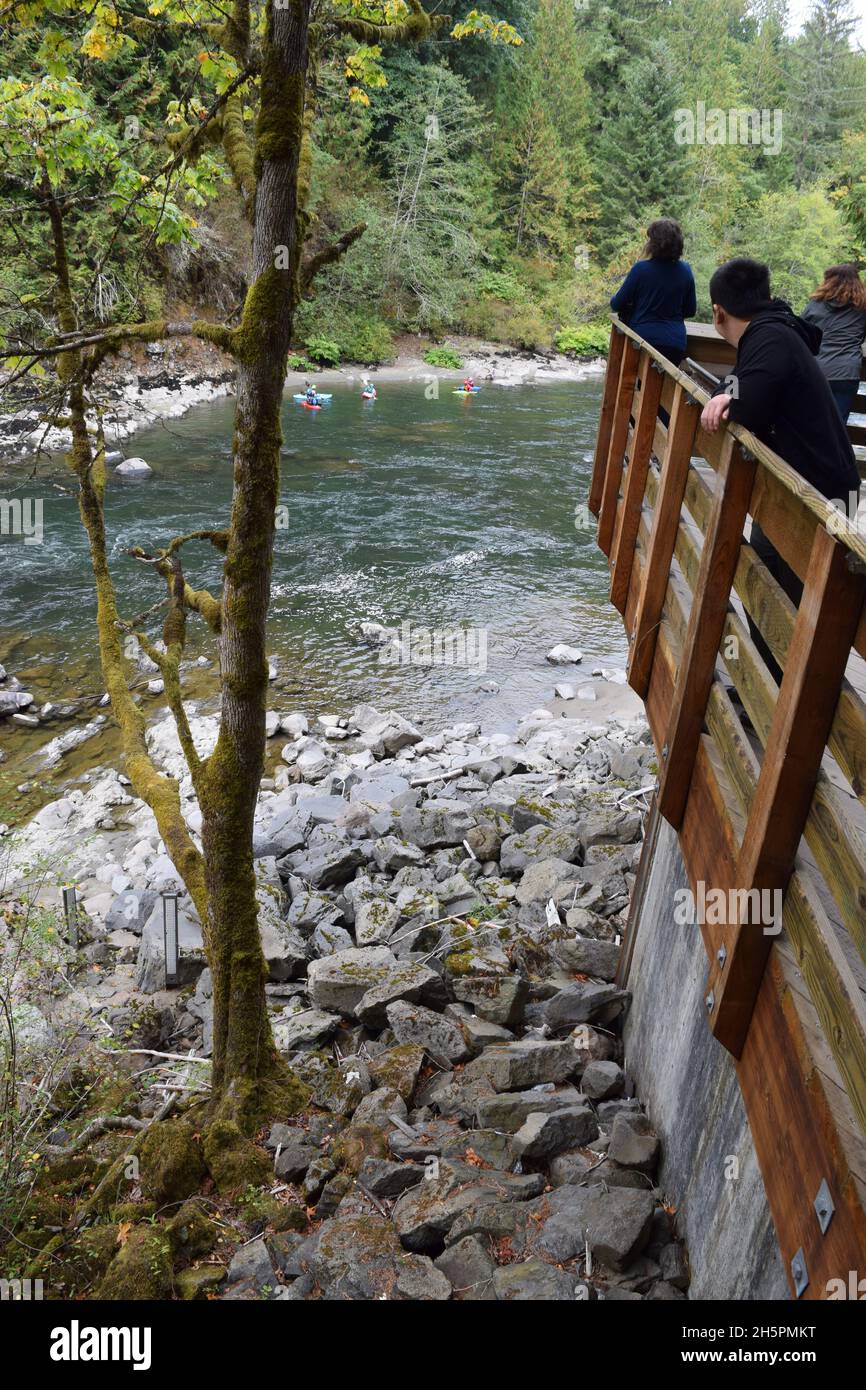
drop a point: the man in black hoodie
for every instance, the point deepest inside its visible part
(779, 393)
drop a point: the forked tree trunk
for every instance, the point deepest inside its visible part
(244, 1056)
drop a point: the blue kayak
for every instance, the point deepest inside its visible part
(320, 396)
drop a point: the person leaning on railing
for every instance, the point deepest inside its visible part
(658, 294)
(778, 391)
(838, 308)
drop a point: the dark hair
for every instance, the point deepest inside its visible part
(664, 240)
(741, 287)
(843, 285)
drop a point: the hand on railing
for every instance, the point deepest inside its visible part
(714, 412)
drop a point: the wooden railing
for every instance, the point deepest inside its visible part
(765, 784)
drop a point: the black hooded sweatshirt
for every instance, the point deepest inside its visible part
(782, 396)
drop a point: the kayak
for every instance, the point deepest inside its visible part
(322, 396)
(308, 406)
(463, 392)
(368, 395)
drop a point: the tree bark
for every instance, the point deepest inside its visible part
(244, 1055)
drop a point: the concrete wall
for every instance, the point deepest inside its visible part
(689, 1087)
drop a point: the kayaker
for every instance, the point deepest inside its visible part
(469, 384)
(312, 396)
(368, 389)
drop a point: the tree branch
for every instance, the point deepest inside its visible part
(313, 264)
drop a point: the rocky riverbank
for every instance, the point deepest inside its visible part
(441, 918)
(162, 381)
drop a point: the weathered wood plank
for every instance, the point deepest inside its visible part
(706, 620)
(618, 440)
(622, 554)
(666, 513)
(605, 424)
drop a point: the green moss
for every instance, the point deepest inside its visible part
(140, 1270)
(195, 1284)
(192, 1233)
(459, 963)
(233, 1161)
(356, 1143)
(171, 1163)
(81, 1261)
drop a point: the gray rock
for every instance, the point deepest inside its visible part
(508, 1110)
(416, 984)
(517, 1066)
(552, 878)
(538, 843)
(375, 920)
(328, 939)
(386, 1179)
(542, 1136)
(251, 1267)
(389, 734)
(602, 1080)
(130, 911)
(304, 1028)
(633, 1142)
(533, 1281)
(617, 1224)
(437, 824)
(327, 863)
(580, 1003)
(150, 966)
(586, 956)
(392, 854)
(499, 999)
(339, 981)
(469, 1269)
(570, 1167)
(674, 1266)
(423, 1216)
(292, 1160)
(439, 1036)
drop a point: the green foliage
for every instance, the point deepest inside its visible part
(295, 362)
(443, 357)
(588, 340)
(323, 351)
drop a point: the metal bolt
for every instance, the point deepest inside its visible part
(721, 957)
(710, 1001)
(799, 1272)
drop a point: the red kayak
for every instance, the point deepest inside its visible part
(308, 406)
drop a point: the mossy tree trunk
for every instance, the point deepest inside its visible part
(243, 1048)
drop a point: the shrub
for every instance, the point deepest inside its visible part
(323, 351)
(443, 357)
(587, 340)
(364, 339)
(498, 284)
(296, 362)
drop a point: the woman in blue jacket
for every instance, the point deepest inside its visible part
(658, 294)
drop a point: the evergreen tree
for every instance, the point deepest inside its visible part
(639, 165)
(828, 88)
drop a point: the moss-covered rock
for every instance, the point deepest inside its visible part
(192, 1233)
(198, 1283)
(234, 1162)
(140, 1270)
(398, 1068)
(171, 1162)
(356, 1143)
(81, 1261)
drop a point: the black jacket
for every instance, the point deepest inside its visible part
(782, 396)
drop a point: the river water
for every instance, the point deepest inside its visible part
(444, 514)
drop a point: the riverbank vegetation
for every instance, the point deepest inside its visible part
(503, 187)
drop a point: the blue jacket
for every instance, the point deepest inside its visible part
(655, 299)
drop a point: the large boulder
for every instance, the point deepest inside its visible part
(438, 824)
(338, 982)
(440, 1037)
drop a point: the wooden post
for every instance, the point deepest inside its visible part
(719, 557)
(666, 519)
(618, 440)
(605, 424)
(824, 630)
(622, 554)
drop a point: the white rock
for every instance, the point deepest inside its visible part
(155, 687)
(272, 723)
(294, 724)
(564, 691)
(133, 468)
(586, 692)
(563, 655)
